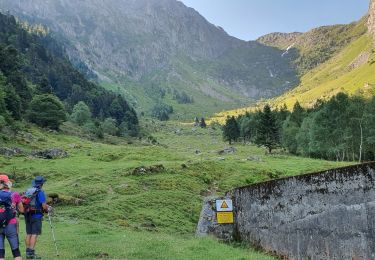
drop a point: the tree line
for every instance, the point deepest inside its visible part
(342, 129)
(39, 84)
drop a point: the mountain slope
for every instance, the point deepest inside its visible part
(347, 65)
(315, 47)
(33, 63)
(128, 42)
(351, 71)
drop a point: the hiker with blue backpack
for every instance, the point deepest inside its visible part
(10, 202)
(35, 204)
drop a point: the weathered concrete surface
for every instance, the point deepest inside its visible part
(326, 215)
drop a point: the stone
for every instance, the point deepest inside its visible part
(360, 60)
(54, 153)
(10, 152)
(254, 158)
(228, 150)
(153, 169)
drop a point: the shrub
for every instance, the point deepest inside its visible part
(46, 111)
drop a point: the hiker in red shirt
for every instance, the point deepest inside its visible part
(10, 202)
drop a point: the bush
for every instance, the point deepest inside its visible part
(109, 126)
(81, 114)
(162, 111)
(46, 111)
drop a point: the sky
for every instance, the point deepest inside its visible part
(249, 19)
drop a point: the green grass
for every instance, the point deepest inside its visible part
(78, 239)
(334, 76)
(150, 216)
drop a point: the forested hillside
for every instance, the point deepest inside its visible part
(36, 74)
(340, 129)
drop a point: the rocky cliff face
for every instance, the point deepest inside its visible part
(137, 38)
(131, 36)
(371, 19)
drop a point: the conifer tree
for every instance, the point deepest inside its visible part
(267, 130)
(202, 123)
(231, 130)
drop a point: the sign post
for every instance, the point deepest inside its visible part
(224, 211)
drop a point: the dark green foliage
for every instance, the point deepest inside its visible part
(161, 111)
(245, 127)
(231, 131)
(13, 102)
(44, 87)
(282, 114)
(290, 128)
(2, 122)
(341, 129)
(10, 66)
(202, 123)
(46, 111)
(298, 114)
(81, 114)
(3, 109)
(268, 130)
(154, 90)
(109, 126)
(182, 97)
(40, 60)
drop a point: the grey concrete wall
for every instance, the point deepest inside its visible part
(327, 215)
(320, 216)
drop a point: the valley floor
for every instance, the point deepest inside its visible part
(109, 210)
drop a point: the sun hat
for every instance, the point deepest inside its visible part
(4, 178)
(39, 180)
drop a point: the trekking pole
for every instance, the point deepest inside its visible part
(53, 233)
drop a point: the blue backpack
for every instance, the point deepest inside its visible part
(6, 210)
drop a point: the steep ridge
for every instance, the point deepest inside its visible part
(163, 44)
(346, 65)
(371, 19)
(313, 48)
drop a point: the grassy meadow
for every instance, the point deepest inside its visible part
(109, 211)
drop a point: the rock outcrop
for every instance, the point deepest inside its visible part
(50, 153)
(11, 151)
(371, 19)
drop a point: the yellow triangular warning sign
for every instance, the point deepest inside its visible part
(224, 205)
